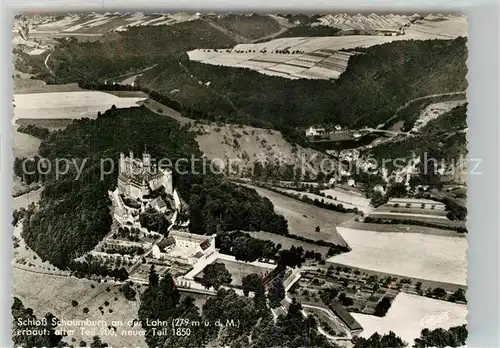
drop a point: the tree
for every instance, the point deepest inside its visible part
(153, 276)
(254, 282)
(382, 307)
(317, 229)
(458, 296)
(216, 274)
(439, 292)
(97, 343)
(378, 199)
(276, 292)
(378, 341)
(440, 338)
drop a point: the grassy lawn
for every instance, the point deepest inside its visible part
(303, 218)
(45, 293)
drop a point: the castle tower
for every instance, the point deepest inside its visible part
(121, 166)
(146, 158)
(167, 181)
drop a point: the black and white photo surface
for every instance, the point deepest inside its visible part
(247, 180)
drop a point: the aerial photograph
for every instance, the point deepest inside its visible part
(239, 180)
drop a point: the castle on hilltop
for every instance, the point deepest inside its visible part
(137, 178)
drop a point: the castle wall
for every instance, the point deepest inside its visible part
(156, 182)
(167, 181)
(123, 188)
(138, 191)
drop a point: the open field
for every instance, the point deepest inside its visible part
(422, 210)
(348, 200)
(303, 218)
(402, 228)
(26, 199)
(245, 145)
(46, 293)
(27, 86)
(369, 22)
(410, 314)
(24, 145)
(320, 57)
(52, 124)
(426, 218)
(67, 104)
(106, 22)
(438, 258)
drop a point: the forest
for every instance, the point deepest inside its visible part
(378, 79)
(73, 215)
(376, 83)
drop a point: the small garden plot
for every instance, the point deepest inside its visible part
(326, 322)
(410, 314)
(424, 256)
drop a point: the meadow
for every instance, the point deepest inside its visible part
(425, 256)
(70, 105)
(303, 218)
(48, 293)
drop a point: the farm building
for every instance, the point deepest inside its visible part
(184, 247)
(346, 317)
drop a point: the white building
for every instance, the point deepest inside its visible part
(312, 131)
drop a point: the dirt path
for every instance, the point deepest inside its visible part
(46, 65)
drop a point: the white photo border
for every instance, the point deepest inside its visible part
(483, 122)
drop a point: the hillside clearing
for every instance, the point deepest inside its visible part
(24, 145)
(303, 218)
(37, 292)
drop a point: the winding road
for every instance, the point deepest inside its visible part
(46, 65)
